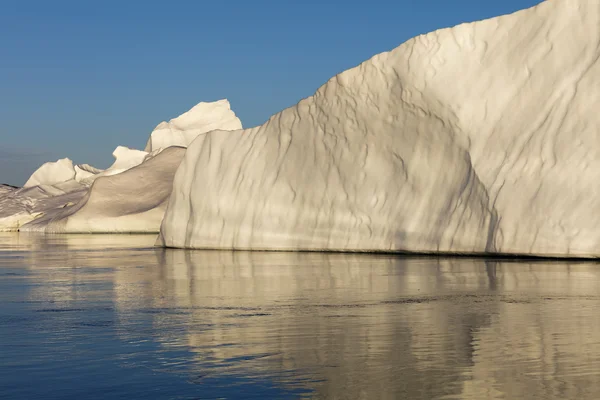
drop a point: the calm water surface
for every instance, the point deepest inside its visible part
(86, 317)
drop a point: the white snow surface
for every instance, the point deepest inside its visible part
(125, 158)
(51, 173)
(482, 138)
(131, 201)
(202, 118)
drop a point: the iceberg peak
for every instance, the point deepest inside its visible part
(203, 117)
(51, 173)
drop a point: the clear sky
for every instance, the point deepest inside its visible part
(78, 78)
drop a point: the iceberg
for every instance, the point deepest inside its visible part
(481, 138)
(129, 196)
(133, 201)
(50, 188)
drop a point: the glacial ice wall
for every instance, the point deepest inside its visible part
(482, 138)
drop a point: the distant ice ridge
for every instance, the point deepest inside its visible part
(129, 196)
(130, 201)
(52, 173)
(20, 206)
(482, 138)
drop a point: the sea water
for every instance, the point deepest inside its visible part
(112, 316)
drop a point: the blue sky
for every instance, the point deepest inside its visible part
(78, 78)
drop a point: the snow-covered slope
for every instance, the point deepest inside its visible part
(202, 118)
(130, 201)
(479, 138)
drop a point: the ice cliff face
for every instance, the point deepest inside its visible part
(480, 138)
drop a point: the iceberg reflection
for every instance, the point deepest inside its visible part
(339, 325)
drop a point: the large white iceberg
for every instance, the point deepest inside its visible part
(482, 138)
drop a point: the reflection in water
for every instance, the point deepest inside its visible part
(333, 325)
